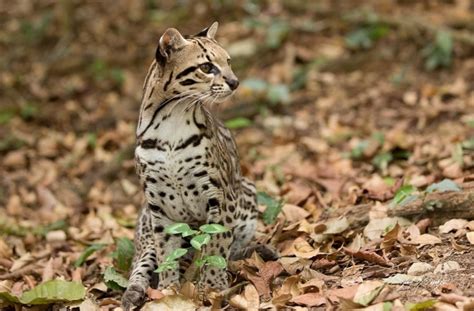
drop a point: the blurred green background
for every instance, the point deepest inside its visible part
(339, 102)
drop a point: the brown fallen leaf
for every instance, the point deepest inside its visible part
(170, 303)
(368, 291)
(22, 262)
(77, 274)
(425, 239)
(323, 263)
(390, 238)
(154, 294)
(294, 213)
(470, 237)
(289, 289)
(458, 246)
(452, 298)
(294, 265)
(249, 300)
(452, 225)
(296, 192)
(301, 248)
(369, 256)
(48, 271)
(424, 224)
(345, 292)
(310, 299)
(262, 279)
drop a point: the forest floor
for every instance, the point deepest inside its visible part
(355, 119)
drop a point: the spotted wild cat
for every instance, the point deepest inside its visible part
(187, 161)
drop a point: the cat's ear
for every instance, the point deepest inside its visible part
(170, 42)
(209, 32)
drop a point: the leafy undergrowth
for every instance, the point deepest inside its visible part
(356, 125)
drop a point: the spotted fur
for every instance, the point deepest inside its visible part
(187, 161)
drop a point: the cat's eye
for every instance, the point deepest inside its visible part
(206, 67)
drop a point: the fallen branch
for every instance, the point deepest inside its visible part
(438, 206)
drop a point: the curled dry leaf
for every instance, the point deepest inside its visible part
(367, 292)
(336, 226)
(170, 303)
(377, 227)
(301, 248)
(405, 279)
(310, 299)
(470, 225)
(458, 247)
(290, 288)
(369, 256)
(48, 271)
(425, 239)
(470, 237)
(293, 265)
(345, 292)
(262, 279)
(21, 262)
(390, 238)
(294, 213)
(452, 225)
(154, 294)
(249, 300)
(423, 224)
(419, 268)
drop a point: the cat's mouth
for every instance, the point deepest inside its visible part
(220, 96)
(220, 93)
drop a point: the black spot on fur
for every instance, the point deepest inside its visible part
(148, 143)
(154, 208)
(200, 174)
(188, 82)
(213, 202)
(151, 179)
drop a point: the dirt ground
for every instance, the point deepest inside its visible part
(345, 109)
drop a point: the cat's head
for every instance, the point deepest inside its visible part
(195, 65)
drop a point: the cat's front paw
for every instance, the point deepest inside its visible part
(133, 297)
(212, 279)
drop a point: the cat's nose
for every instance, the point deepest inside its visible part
(232, 83)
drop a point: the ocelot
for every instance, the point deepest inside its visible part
(187, 162)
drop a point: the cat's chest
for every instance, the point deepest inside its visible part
(173, 163)
(175, 182)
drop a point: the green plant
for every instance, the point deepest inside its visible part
(273, 207)
(200, 238)
(101, 70)
(368, 33)
(123, 255)
(408, 193)
(238, 123)
(439, 53)
(268, 93)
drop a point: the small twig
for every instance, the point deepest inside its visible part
(226, 293)
(20, 272)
